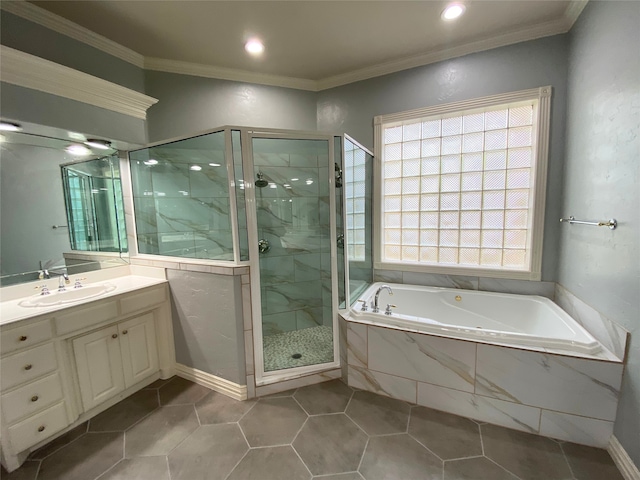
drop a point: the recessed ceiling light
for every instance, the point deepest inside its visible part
(77, 150)
(195, 168)
(10, 127)
(254, 46)
(453, 11)
(214, 164)
(151, 161)
(99, 144)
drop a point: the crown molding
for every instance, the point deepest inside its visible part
(54, 22)
(516, 36)
(221, 73)
(61, 25)
(29, 71)
(573, 11)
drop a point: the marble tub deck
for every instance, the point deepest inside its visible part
(177, 430)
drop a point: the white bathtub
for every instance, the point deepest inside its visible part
(499, 318)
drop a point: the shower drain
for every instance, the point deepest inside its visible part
(296, 355)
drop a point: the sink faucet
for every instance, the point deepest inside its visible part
(63, 278)
(375, 298)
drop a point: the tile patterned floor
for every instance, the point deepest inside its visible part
(314, 344)
(177, 430)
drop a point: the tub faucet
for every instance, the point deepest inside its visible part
(375, 298)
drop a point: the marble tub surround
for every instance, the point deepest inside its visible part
(569, 398)
(499, 285)
(613, 336)
(326, 431)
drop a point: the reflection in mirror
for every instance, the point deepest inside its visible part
(35, 235)
(95, 210)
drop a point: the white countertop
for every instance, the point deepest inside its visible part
(11, 310)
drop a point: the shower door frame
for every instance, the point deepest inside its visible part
(247, 136)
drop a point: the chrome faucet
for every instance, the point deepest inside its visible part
(62, 280)
(375, 298)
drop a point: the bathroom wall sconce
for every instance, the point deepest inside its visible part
(10, 127)
(99, 144)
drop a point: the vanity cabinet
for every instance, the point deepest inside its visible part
(62, 368)
(115, 358)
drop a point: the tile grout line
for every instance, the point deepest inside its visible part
(239, 461)
(566, 459)
(503, 468)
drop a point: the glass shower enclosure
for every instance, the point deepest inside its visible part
(270, 199)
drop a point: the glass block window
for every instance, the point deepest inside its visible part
(458, 188)
(355, 184)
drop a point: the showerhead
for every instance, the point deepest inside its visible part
(261, 182)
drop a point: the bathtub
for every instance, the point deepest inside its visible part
(525, 321)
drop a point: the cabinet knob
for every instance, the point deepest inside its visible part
(125, 332)
(23, 338)
(28, 366)
(41, 428)
(115, 335)
(34, 398)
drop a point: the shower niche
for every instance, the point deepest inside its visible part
(273, 200)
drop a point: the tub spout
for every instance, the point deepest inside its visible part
(375, 299)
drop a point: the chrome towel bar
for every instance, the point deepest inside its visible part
(612, 224)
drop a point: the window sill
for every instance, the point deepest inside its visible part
(463, 271)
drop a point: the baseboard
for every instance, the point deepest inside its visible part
(220, 385)
(622, 460)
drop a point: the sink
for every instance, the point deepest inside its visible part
(68, 296)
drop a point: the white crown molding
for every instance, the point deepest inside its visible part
(75, 31)
(220, 385)
(221, 73)
(25, 70)
(522, 35)
(573, 11)
(66, 27)
(623, 461)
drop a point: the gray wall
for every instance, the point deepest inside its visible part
(601, 177)
(188, 105)
(351, 108)
(21, 34)
(207, 323)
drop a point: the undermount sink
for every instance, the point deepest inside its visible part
(68, 296)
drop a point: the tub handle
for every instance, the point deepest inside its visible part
(388, 309)
(363, 308)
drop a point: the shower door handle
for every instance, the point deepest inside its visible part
(263, 245)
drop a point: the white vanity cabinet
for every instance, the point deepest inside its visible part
(115, 358)
(60, 369)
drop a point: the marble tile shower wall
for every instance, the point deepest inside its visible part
(180, 211)
(500, 285)
(296, 272)
(563, 397)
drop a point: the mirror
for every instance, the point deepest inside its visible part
(60, 212)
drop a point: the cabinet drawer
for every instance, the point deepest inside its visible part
(85, 317)
(32, 397)
(25, 366)
(140, 301)
(16, 338)
(39, 427)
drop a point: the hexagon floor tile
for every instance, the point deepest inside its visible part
(205, 436)
(330, 444)
(273, 421)
(378, 415)
(448, 436)
(327, 397)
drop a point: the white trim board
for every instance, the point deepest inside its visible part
(218, 384)
(61, 25)
(29, 71)
(623, 461)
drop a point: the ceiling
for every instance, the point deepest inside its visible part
(327, 42)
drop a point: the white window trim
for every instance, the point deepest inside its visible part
(543, 95)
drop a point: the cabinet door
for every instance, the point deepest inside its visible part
(99, 364)
(139, 348)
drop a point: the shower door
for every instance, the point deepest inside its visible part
(295, 247)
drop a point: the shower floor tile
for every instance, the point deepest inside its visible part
(314, 345)
(294, 444)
